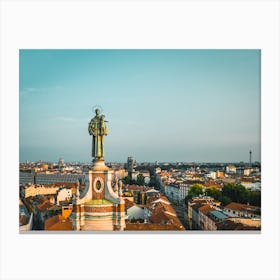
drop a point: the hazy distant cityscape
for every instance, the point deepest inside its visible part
(158, 196)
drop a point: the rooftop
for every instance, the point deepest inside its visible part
(128, 203)
(149, 227)
(206, 208)
(241, 207)
(239, 224)
(219, 214)
(57, 223)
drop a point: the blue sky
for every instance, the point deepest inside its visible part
(165, 105)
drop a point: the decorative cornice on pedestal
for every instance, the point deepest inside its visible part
(99, 165)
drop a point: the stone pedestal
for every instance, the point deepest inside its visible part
(99, 207)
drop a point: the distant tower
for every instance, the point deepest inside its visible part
(61, 161)
(130, 163)
(250, 158)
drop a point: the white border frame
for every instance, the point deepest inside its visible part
(140, 24)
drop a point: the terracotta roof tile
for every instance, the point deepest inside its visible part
(163, 213)
(241, 207)
(45, 205)
(149, 227)
(128, 203)
(23, 220)
(205, 209)
(237, 224)
(57, 223)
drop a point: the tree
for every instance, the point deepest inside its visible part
(225, 200)
(254, 198)
(140, 180)
(214, 192)
(236, 193)
(195, 190)
(155, 182)
(126, 180)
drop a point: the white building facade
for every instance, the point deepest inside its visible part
(64, 194)
(177, 193)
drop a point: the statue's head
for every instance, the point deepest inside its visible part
(97, 112)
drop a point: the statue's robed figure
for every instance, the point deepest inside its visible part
(97, 128)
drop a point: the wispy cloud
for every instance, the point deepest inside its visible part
(35, 90)
(30, 89)
(27, 91)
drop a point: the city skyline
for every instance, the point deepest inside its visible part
(162, 105)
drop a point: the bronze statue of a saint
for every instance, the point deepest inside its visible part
(97, 128)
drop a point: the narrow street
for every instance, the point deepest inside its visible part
(180, 210)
